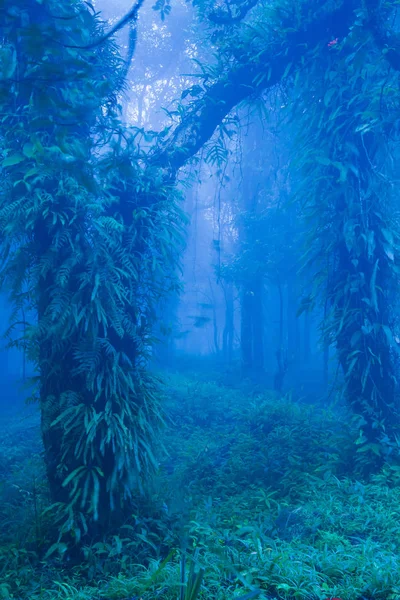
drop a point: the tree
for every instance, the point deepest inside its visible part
(81, 251)
(348, 159)
(96, 230)
(293, 34)
(370, 368)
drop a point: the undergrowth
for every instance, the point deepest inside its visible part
(256, 497)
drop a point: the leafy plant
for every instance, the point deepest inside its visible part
(352, 253)
(89, 252)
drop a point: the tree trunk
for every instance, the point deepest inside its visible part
(292, 320)
(252, 327)
(246, 331)
(258, 325)
(229, 330)
(362, 291)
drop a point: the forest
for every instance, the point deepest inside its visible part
(199, 300)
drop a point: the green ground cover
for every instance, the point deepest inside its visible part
(257, 497)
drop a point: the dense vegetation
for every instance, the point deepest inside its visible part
(203, 486)
(259, 493)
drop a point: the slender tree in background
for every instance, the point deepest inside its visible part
(252, 280)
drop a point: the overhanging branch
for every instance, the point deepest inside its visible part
(221, 16)
(130, 17)
(245, 80)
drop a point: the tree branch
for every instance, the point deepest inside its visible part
(219, 16)
(130, 17)
(245, 80)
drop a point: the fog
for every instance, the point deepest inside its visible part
(199, 300)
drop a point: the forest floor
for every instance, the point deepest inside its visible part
(258, 490)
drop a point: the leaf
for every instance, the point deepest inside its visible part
(388, 333)
(286, 73)
(8, 61)
(28, 150)
(323, 160)
(31, 172)
(355, 338)
(249, 595)
(370, 235)
(375, 448)
(342, 170)
(374, 298)
(328, 96)
(389, 252)
(365, 376)
(351, 366)
(59, 547)
(388, 235)
(96, 287)
(78, 471)
(12, 160)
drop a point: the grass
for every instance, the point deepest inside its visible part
(257, 493)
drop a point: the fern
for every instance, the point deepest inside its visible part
(90, 242)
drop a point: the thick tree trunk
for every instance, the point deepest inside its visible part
(371, 379)
(362, 290)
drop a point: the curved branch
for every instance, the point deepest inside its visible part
(225, 17)
(245, 80)
(130, 17)
(129, 57)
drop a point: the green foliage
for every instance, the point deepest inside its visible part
(89, 243)
(312, 531)
(347, 143)
(89, 234)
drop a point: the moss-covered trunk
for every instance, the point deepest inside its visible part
(363, 295)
